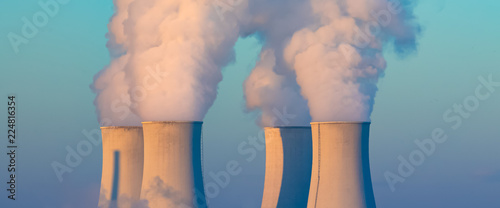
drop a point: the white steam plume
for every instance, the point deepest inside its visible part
(167, 59)
(337, 54)
(271, 87)
(339, 58)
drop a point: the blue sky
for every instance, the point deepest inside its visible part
(51, 75)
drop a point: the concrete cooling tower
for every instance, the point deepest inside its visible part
(172, 165)
(122, 153)
(288, 167)
(341, 169)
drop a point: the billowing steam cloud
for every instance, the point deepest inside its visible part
(271, 87)
(335, 48)
(274, 94)
(167, 60)
(320, 58)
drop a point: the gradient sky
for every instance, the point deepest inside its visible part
(51, 75)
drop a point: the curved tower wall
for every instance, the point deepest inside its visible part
(288, 167)
(126, 145)
(341, 168)
(173, 165)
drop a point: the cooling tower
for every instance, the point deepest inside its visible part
(173, 165)
(341, 169)
(288, 167)
(122, 161)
